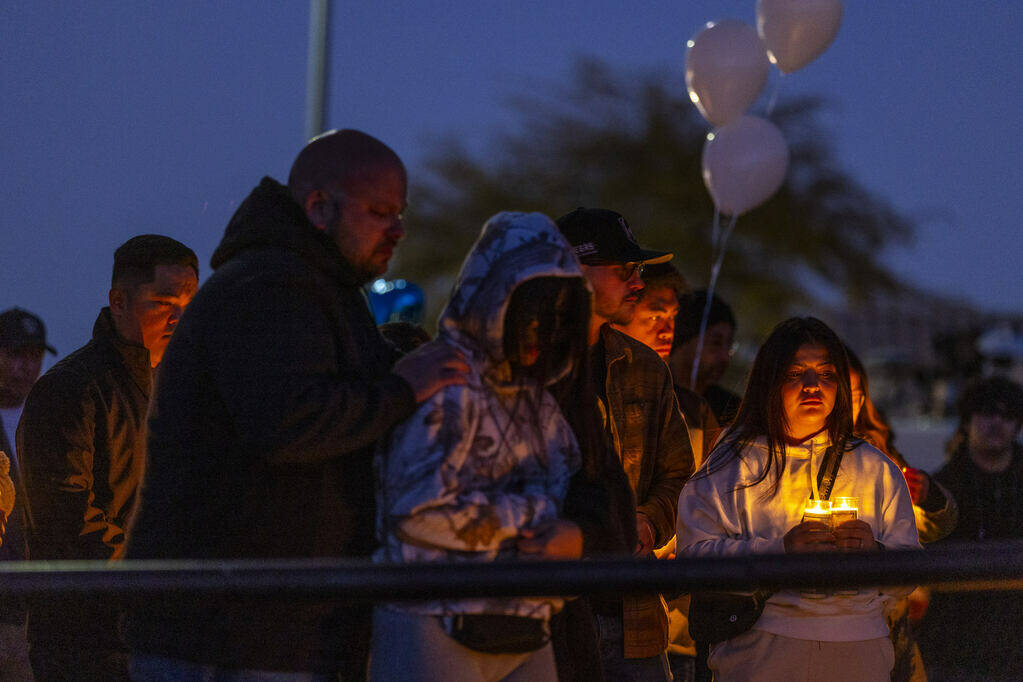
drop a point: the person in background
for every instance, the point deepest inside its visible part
(81, 444)
(749, 496)
(664, 288)
(271, 399)
(718, 343)
(935, 508)
(975, 635)
(654, 325)
(479, 472)
(22, 345)
(936, 515)
(641, 420)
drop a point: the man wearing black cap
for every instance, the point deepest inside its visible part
(644, 424)
(81, 444)
(22, 344)
(975, 635)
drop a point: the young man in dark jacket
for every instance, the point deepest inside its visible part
(975, 635)
(270, 400)
(644, 426)
(81, 444)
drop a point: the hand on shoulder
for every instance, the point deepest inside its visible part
(431, 367)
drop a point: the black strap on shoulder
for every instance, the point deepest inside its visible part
(829, 469)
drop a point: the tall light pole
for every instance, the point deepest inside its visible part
(316, 68)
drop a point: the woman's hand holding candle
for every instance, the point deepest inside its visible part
(809, 536)
(855, 535)
(813, 534)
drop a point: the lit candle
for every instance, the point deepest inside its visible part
(818, 510)
(845, 509)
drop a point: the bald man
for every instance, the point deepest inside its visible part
(270, 399)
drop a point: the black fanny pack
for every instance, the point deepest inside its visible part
(717, 616)
(498, 633)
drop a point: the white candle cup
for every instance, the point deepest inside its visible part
(844, 509)
(816, 510)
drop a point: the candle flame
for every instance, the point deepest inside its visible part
(845, 504)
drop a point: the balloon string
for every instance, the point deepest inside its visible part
(774, 95)
(718, 258)
(715, 232)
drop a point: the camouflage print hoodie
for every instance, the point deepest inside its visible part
(477, 463)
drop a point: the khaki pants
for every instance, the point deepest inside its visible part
(409, 647)
(758, 656)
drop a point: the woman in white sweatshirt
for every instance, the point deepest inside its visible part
(748, 498)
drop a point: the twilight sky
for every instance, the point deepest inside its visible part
(125, 117)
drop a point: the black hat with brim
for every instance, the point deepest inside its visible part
(21, 329)
(597, 234)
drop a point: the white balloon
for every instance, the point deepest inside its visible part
(797, 31)
(726, 68)
(744, 163)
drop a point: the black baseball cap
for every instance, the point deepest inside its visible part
(992, 395)
(597, 234)
(21, 329)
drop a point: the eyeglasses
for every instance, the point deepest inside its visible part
(625, 271)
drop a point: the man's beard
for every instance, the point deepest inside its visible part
(624, 314)
(368, 273)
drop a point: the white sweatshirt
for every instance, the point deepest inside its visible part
(717, 519)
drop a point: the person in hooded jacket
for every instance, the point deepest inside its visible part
(479, 472)
(271, 397)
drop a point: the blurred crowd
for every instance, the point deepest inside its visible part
(569, 407)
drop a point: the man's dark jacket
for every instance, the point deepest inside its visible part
(81, 443)
(977, 633)
(269, 399)
(648, 430)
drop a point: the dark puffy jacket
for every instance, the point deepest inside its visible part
(81, 444)
(270, 397)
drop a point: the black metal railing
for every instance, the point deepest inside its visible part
(985, 566)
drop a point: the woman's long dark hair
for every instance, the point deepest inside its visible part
(561, 305)
(762, 414)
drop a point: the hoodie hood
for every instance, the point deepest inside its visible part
(512, 248)
(270, 218)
